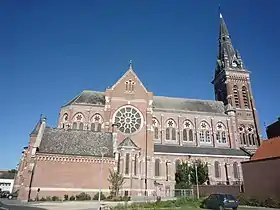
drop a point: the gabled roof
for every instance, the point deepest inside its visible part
(37, 127)
(128, 143)
(269, 149)
(88, 97)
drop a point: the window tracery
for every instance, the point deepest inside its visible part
(128, 120)
(251, 135)
(170, 130)
(221, 133)
(187, 131)
(156, 128)
(129, 86)
(78, 121)
(96, 123)
(217, 169)
(204, 134)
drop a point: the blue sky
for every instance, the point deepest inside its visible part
(52, 50)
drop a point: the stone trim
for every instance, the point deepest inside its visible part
(58, 158)
(201, 155)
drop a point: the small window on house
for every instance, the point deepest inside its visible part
(173, 134)
(224, 138)
(208, 137)
(177, 163)
(166, 170)
(218, 136)
(170, 130)
(202, 136)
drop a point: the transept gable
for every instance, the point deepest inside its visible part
(129, 85)
(128, 143)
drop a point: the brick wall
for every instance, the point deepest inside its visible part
(205, 190)
(261, 178)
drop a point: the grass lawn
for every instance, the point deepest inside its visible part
(239, 208)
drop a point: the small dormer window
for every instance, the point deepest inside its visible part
(129, 86)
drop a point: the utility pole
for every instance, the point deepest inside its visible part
(196, 177)
(103, 150)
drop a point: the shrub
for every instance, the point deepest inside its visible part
(48, 198)
(72, 198)
(55, 198)
(43, 199)
(270, 203)
(96, 196)
(66, 197)
(83, 197)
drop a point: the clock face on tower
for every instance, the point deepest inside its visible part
(128, 119)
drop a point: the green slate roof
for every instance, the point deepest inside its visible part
(198, 150)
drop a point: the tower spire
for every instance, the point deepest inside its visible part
(228, 57)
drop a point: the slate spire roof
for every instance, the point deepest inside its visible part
(228, 57)
(37, 126)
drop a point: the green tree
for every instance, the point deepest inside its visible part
(116, 180)
(202, 172)
(10, 174)
(182, 176)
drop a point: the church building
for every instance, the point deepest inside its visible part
(144, 136)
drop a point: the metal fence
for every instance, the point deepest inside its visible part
(183, 193)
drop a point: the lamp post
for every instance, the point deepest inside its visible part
(196, 178)
(103, 151)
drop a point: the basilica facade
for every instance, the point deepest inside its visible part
(144, 136)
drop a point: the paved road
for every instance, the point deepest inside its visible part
(14, 206)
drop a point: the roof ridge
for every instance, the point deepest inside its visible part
(191, 99)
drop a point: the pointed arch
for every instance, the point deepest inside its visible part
(236, 96)
(96, 122)
(242, 135)
(221, 133)
(204, 133)
(187, 130)
(78, 119)
(156, 128)
(170, 130)
(245, 97)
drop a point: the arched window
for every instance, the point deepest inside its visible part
(166, 170)
(187, 131)
(251, 135)
(156, 128)
(96, 123)
(221, 133)
(81, 126)
(245, 97)
(170, 130)
(127, 163)
(129, 86)
(204, 134)
(217, 169)
(236, 96)
(157, 167)
(235, 170)
(135, 165)
(190, 135)
(242, 135)
(64, 120)
(78, 121)
(185, 136)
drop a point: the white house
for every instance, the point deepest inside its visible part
(6, 184)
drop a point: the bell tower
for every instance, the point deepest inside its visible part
(232, 85)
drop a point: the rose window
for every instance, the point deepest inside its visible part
(128, 120)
